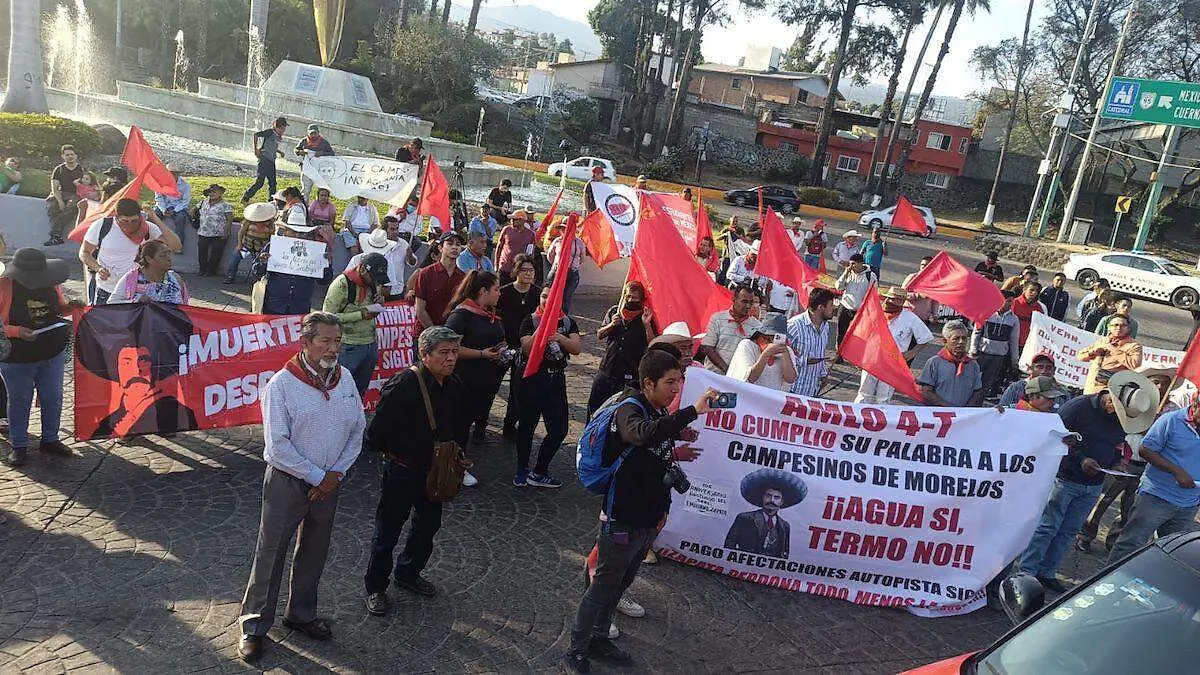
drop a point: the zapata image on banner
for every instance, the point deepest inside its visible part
(763, 530)
(134, 350)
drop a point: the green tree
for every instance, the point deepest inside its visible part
(435, 66)
(807, 54)
(909, 17)
(565, 47)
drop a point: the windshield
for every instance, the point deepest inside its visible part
(1173, 269)
(1143, 617)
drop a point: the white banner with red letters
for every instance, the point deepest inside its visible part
(1064, 342)
(895, 506)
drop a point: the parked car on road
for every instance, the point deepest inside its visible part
(1141, 615)
(581, 168)
(781, 199)
(883, 220)
(1146, 276)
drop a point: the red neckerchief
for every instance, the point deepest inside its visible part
(475, 308)
(1024, 405)
(751, 263)
(628, 316)
(945, 354)
(355, 278)
(312, 145)
(142, 233)
(1189, 406)
(308, 375)
(741, 324)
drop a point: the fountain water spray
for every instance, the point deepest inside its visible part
(255, 77)
(179, 74)
(70, 43)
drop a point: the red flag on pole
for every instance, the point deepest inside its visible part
(778, 259)
(435, 195)
(541, 230)
(869, 344)
(704, 229)
(548, 322)
(599, 238)
(141, 159)
(105, 209)
(1189, 365)
(967, 292)
(907, 217)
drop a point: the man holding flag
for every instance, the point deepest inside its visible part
(108, 252)
(906, 329)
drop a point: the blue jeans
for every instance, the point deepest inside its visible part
(1150, 515)
(179, 221)
(360, 361)
(21, 379)
(813, 260)
(266, 172)
(1069, 505)
(95, 294)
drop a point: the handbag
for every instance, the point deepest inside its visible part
(449, 464)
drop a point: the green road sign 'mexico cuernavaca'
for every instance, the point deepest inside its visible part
(1154, 101)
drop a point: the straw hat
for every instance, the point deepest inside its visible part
(894, 293)
(1135, 399)
(259, 212)
(375, 241)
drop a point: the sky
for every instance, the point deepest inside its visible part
(725, 44)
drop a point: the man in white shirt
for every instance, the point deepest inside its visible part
(908, 330)
(359, 218)
(385, 241)
(764, 358)
(854, 282)
(728, 328)
(780, 298)
(845, 248)
(797, 234)
(111, 244)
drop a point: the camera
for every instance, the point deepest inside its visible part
(507, 356)
(676, 479)
(724, 400)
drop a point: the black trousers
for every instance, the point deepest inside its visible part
(512, 411)
(845, 316)
(543, 397)
(992, 367)
(603, 388)
(401, 493)
(474, 409)
(208, 254)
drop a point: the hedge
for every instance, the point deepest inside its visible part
(819, 196)
(32, 135)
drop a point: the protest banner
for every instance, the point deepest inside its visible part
(380, 180)
(1064, 342)
(301, 257)
(144, 368)
(913, 507)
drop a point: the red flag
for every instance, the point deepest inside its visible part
(778, 259)
(967, 292)
(907, 217)
(131, 190)
(435, 195)
(541, 230)
(704, 229)
(1189, 365)
(677, 289)
(141, 159)
(870, 345)
(599, 238)
(548, 322)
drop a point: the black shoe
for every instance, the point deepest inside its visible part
(52, 241)
(1053, 584)
(250, 648)
(377, 604)
(419, 585)
(578, 662)
(604, 649)
(1083, 545)
(17, 456)
(316, 629)
(57, 448)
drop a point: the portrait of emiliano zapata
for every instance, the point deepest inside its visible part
(135, 348)
(763, 530)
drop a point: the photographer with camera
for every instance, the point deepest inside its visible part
(500, 201)
(643, 442)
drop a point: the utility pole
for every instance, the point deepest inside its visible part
(1022, 59)
(1059, 131)
(1073, 201)
(1155, 190)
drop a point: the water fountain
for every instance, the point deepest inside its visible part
(69, 40)
(179, 72)
(255, 77)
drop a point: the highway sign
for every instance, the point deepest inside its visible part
(1154, 101)
(1123, 204)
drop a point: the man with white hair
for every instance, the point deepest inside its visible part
(951, 378)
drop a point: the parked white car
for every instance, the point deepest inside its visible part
(581, 168)
(1145, 276)
(883, 220)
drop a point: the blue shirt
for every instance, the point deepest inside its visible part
(178, 204)
(487, 230)
(872, 253)
(1178, 442)
(467, 262)
(808, 342)
(1101, 432)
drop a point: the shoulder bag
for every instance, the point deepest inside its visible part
(449, 464)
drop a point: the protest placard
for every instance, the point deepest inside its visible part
(301, 257)
(1064, 342)
(380, 180)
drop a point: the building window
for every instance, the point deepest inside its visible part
(937, 180)
(735, 83)
(850, 164)
(879, 169)
(962, 146)
(788, 147)
(939, 141)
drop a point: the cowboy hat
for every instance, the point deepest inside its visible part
(30, 268)
(259, 212)
(375, 241)
(798, 220)
(1135, 399)
(674, 333)
(894, 293)
(755, 483)
(297, 221)
(851, 233)
(173, 167)
(1150, 370)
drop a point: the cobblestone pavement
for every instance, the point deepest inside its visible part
(133, 557)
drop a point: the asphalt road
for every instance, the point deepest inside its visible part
(1159, 324)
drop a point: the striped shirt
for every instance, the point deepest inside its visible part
(807, 341)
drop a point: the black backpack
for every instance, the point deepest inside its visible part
(105, 228)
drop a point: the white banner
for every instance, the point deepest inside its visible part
(898, 506)
(380, 180)
(1064, 342)
(297, 256)
(620, 205)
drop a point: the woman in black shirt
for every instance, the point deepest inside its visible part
(544, 396)
(481, 356)
(627, 331)
(517, 301)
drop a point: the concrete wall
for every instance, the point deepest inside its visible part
(725, 123)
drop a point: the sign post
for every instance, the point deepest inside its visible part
(1122, 207)
(1155, 191)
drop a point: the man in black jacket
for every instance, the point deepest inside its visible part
(640, 499)
(401, 431)
(1055, 297)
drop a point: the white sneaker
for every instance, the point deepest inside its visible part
(613, 633)
(630, 608)
(469, 480)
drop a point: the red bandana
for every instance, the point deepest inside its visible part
(308, 375)
(475, 308)
(945, 354)
(628, 316)
(360, 285)
(139, 235)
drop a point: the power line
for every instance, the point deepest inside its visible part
(1105, 148)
